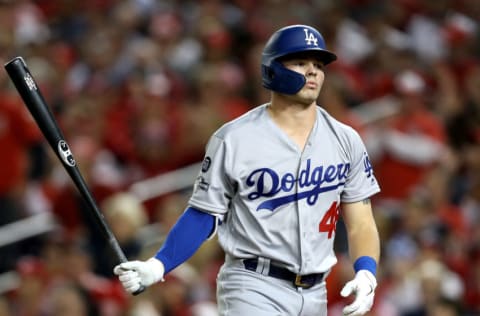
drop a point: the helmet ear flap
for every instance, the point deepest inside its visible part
(268, 72)
(278, 78)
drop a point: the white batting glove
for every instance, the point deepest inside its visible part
(363, 286)
(134, 274)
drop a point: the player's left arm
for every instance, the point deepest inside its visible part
(364, 247)
(363, 238)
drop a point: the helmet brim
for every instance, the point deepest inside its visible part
(325, 56)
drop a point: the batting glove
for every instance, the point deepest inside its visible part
(363, 286)
(134, 274)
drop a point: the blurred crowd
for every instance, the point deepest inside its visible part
(138, 86)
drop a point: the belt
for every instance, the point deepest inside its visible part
(302, 281)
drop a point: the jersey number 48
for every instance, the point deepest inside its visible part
(328, 224)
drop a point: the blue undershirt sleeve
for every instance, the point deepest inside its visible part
(185, 237)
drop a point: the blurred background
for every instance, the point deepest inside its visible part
(138, 86)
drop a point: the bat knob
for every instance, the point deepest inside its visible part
(140, 290)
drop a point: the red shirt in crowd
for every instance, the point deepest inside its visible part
(18, 131)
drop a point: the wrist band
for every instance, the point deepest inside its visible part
(365, 263)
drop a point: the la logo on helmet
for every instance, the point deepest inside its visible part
(310, 38)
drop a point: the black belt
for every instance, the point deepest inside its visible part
(303, 281)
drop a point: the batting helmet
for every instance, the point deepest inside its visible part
(286, 41)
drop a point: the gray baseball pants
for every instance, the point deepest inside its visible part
(241, 292)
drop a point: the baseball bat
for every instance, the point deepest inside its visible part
(32, 97)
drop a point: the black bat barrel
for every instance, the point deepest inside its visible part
(32, 97)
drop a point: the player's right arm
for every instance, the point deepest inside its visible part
(192, 228)
(183, 240)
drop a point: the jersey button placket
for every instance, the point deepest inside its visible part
(300, 204)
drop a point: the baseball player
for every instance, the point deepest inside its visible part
(273, 184)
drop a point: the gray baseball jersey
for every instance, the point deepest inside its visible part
(276, 200)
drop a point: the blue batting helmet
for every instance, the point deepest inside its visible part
(289, 40)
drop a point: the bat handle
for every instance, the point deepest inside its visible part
(140, 289)
(121, 258)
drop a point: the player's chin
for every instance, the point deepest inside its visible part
(308, 97)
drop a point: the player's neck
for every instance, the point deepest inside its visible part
(290, 114)
(295, 121)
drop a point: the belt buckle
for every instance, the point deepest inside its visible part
(298, 282)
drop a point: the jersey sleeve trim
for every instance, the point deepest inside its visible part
(360, 197)
(206, 208)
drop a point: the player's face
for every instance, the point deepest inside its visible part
(312, 69)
